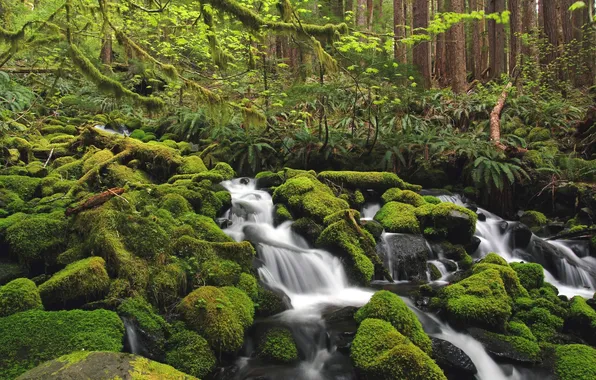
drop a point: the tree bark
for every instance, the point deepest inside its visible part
(369, 13)
(495, 118)
(456, 51)
(422, 49)
(95, 201)
(515, 29)
(529, 24)
(475, 5)
(361, 13)
(440, 52)
(551, 29)
(399, 30)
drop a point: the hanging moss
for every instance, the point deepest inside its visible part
(124, 40)
(110, 85)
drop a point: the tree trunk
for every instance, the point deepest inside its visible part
(475, 5)
(440, 54)
(500, 37)
(529, 24)
(105, 55)
(551, 29)
(456, 51)
(369, 13)
(361, 13)
(399, 21)
(515, 29)
(422, 49)
(495, 117)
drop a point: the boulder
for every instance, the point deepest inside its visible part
(405, 255)
(452, 360)
(509, 348)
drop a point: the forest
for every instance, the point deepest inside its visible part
(298, 189)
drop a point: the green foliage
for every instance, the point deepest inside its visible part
(32, 337)
(389, 307)
(138, 310)
(190, 353)
(398, 217)
(531, 275)
(277, 345)
(582, 320)
(19, 295)
(575, 361)
(533, 219)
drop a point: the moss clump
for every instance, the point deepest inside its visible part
(80, 282)
(281, 214)
(151, 325)
(479, 300)
(533, 219)
(34, 336)
(96, 159)
(575, 361)
(431, 199)
(305, 196)
(220, 272)
(277, 345)
(457, 221)
(398, 217)
(380, 352)
(166, 284)
(205, 228)
(224, 170)
(269, 179)
(36, 240)
(493, 258)
(248, 284)
(508, 275)
(9, 271)
(208, 311)
(25, 187)
(403, 196)
(143, 236)
(192, 165)
(70, 171)
(120, 175)
(342, 239)
(531, 275)
(538, 134)
(581, 320)
(241, 303)
(138, 134)
(544, 325)
(19, 295)
(176, 204)
(269, 303)
(379, 181)
(389, 307)
(524, 347)
(190, 353)
(374, 228)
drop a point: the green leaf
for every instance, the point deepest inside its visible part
(577, 5)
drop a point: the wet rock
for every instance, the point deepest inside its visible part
(341, 326)
(452, 360)
(473, 245)
(503, 226)
(497, 346)
(245, 181)
(450, 265)
(521, 236)
(545, 254)
(406, 254)
(585, 216)
(308, 229)
(481, 217)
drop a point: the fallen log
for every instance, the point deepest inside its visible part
(95, 201)
(495, 118)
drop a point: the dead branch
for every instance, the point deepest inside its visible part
(95, 201)
(495, 118)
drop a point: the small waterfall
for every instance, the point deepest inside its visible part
(441, 267)
(132, 340)
(574, 277)
(370, 210)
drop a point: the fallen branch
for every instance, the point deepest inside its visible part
(95, 201)
(495, 118)
(49, 158)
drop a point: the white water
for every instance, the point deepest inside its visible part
(131, 336)
(442, 268)
(574, 279)
(370, 210)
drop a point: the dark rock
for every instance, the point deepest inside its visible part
(449, 264)
(481, 217)
(375, 228)
(150, 345)
(269, 180)
(503, 226)
(458, 225)
(341, 326)
(245, 181)
(308, 229)
(554, 228)
(452, 360)
(545, 254)
(521, 236)
(473, 245)
(405, 255)
(500, 348)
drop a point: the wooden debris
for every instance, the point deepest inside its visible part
(95, 201)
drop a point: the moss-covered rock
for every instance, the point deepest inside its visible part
(192, 165)
(508, 275)
(575, 361)
(380, 352)
(19, 295)
(480, 300)
(80, 282)
(522, 348)
(308, 229)
(379, 181)
(205, 228)
(305, 196)
(277, 345)
(248, 284)
(152, 328)
(269, 303)
(104, 365)
(343, 240)
(189, 352)
(531, 275)
(403, 196)
(269, 179)
(25, 187)
(389, 307)
(96, 159)
(34, 336)
(9, 271)
(166, 284)
(581, 320)
(281, 214)
(220, 272)
(398, 217)
(544, 325)
(176, 204)
(209, 311)
(243, 305)
(533, 219)
(457, 221)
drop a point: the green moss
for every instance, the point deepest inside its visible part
(220, 272)
(139, 311)
(342, 240)
(224, 170)
(70, 171)
(25, 187)
(380, 352)
(403, 196)
(143, 236)
(241, 303)
(389, 307)
(269, 179)
(281, 214)
(37, 239)
(36, 169)
(582, 320)
(19, 295)
(208, 311)
(176, 204)
(544, 325)
(277, 345)
(190, 353)
(269, 303)
(525, 347)
(138, 134)
(398, 217)
(34, 336)
(435, 273)
(248, 284)
(346, 214)
(459, 222)
(575, 361)
(531, 275)
(374, 228)
(493, 258)
(9, 271)
(533, 219)
(508, 275)
(120, 175)
(80, 282)
(96, 159)
(379, 181)
(192, 165)
(205, 228)
(538, 134)
(479, 300)
(166, 284)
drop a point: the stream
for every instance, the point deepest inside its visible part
(315, 280)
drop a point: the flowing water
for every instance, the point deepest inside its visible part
(314, 279)
(130, 337)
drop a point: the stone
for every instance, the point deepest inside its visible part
(521, 236)
(452, 360)
(406, 255)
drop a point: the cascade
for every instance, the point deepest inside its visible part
(131, 338)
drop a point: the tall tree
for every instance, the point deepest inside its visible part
(421, 52)
(455, 47)
(440, 50)
(369, 13)
(476, 5)
(552, 23)
(361, 12)
(399, 31)
(515, 29)
(529, 24)
(496, 39)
